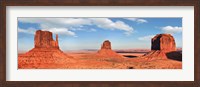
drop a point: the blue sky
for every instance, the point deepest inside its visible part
(89, 33)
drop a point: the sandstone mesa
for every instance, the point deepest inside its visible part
(161, 45)
(107, 52)
(47, 54)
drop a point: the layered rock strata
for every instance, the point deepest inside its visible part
(45, 54)
(107, 52)
(161, 45)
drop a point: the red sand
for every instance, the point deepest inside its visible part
(47, 55)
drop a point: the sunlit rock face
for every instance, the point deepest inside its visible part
(106, 45)
(44, 39)
(107, 52)
(164, 42)
(45, 54)
(161, 45)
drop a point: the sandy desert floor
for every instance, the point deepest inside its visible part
(130, 61)
(88, 60)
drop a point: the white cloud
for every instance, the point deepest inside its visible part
(171, 29)
(27, 31)
(128, 33)
(30, 20)
(141, 21)
(56, 22)
(138, 20)
(77, 21)
(106, 23)
(63, 31)
(93, 30)
(146, 38)
(68, 24)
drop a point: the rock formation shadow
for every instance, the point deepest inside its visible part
(161, 46)
(47, 54)
(156, 43)
(174, 55)
(130, 56)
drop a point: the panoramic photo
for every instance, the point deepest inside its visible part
(99, 43)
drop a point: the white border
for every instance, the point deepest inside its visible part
(185, 74)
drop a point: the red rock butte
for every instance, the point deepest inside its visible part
(160, 45)
(43, 39)
(164, 42)
(107, 52)
(46, 53)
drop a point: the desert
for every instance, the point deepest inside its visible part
(47, 54)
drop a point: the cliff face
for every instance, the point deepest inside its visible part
(106, 45)
(45, 54)
(107, 52)
(43, 39)
(161, 45)
(164, 42)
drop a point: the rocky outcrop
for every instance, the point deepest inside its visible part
(107, 52)
(106, 45)
(161, 44)
(164, 42)
(45, 54)
(43, 39)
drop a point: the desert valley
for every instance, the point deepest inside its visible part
(46, 54)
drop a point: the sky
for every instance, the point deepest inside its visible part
(89, 33)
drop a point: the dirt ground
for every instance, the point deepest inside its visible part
(89, 60)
